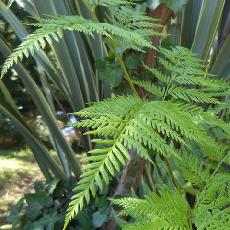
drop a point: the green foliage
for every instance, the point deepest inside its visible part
(165, 124)
(127, 122)
(172, 211)
(130, 29)
(62, 79)
(183, 78)
(212, 209)
(109, 71)
(39, 210)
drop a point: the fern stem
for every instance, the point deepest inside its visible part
(175, 182)
(126, 74)
(149, 178)
(220, 163)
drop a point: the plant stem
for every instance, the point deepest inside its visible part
(175, 182)
(220, 163)
(126, 74)
(149, 178)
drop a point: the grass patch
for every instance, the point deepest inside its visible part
(18, 172)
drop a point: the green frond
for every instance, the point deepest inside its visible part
(183, 61)
(105, 161)
(170, 209)
(156, 224)
(146, 126)
(182, 77)
(158, 74)
(132, 123)
(51, 29)
(191, 95)
(213, 205)
(102, 163)
(116, 106)
(196, 172)
(150, 87)
(178, 117)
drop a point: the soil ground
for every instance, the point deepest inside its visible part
(18, 172)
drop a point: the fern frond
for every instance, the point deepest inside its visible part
(106, 161)
(193, 169)
(182, 69)
(52, 29)
(191, 95)
(131, 123)
(146, 126)
(103, 163)
(150, 87)
(156, 224)
(183, 60)
(169, 209)
(213, 206)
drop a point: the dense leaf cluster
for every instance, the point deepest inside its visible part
(154, 126)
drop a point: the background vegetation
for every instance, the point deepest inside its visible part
(102, 49)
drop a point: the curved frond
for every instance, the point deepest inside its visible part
(51, 29)
(130, 122)
(191, 95)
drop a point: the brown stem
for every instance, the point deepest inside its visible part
(130, 179)
(175, 182)
(163, 13)
(150, 178)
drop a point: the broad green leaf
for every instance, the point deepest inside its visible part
(109, 72)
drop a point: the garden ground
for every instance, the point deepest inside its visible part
(18, 172)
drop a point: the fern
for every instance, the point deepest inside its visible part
(166, 125)
(130, 123)
(171, 210)
(213, 207)
(168, 211)
(197, 172)
(133, 32)
(183, 78)
(127, 122)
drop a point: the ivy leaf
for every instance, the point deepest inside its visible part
(99, 219)
(175, 5)
(14, 217)
(109, 72)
